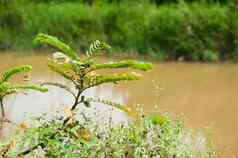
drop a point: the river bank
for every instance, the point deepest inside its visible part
(168, 32)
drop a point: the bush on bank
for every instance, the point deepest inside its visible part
(150, 137)
(186, 31)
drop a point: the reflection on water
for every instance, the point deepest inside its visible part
(204, 94)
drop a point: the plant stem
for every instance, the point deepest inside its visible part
(29, 150)
(76, 102)
(2, 112)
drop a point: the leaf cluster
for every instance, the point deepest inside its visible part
(7, 87)
(83, 71)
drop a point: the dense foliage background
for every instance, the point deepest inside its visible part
(192, 30)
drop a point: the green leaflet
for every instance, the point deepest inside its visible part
(56, 43)
(4, 86)
(13, 71)
(159, 120)
(95, 80)
(96, 46)
(124, 64)
(5, 89)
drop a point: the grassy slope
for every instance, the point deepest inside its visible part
(195, 32)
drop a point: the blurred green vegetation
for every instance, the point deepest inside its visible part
(192, 30)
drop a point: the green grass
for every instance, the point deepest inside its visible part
(191, 31)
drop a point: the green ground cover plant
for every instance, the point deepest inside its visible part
(64, 135)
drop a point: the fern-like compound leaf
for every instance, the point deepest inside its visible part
(123, 64)
(110, 103)
(65, 62)
(96, 46)
(56, 43)
(30, 87)
(13, 71)
(96, 80)
(7, 89)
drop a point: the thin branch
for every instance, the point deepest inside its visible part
(29, 150)
(84, 116)
(76, 102)
(2, 113)
(80, 90)
(60, 86)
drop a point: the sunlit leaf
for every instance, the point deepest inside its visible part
(124, 64)
(13, 71)
(56, 43)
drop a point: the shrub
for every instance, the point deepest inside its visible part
(6, 88)
(146, 138)
(81, 73)
(10, 22)
(75, 22)
(9, 14)
(66, 136)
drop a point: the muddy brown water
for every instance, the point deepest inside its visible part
(204, 95)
